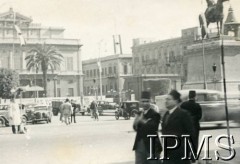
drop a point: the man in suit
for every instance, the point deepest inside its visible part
(176, 122)
(146, 123)
(73, 115)
(195, 110)
(67, 111)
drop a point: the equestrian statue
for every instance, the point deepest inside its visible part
(213, 13)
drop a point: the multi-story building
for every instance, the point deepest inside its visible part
(66, 80)
(161, 59)
(114, 70)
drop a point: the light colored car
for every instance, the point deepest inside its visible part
(212, 103)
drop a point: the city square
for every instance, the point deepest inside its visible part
(122, 69)
(105, 141)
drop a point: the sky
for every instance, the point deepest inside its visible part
(94, 22)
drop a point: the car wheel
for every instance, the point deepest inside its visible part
(2, 122)
(24, 119)
(55, 112)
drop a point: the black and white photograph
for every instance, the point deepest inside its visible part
(120, 82)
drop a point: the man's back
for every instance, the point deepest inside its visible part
(67, 107)
(193, 108)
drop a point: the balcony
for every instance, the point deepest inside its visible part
(112, 75)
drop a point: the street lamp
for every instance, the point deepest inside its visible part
(55, 86)
(214, 67)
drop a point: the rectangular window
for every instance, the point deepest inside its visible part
(70, 92)
(90, 73)
(106, 71)
(102, 71)
(58, 81)
(58, 92)
(115, 70)
(103, 89)
(94, 72)
(125, 69)
(110, 70)
(69, 64)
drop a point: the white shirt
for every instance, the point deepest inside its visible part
(172, 110)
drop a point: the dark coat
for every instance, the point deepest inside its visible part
(150, 128)
(195, 110)
(179, 123)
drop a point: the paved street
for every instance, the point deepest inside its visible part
(86, 142)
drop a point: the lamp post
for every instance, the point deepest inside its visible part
(55, 86)
(214, 67)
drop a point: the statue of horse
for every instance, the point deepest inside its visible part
(213, 13)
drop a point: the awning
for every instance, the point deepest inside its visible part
(31, 88)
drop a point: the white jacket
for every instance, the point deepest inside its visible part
(14, 114)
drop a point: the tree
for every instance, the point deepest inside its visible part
(9, 79)
(44, 57)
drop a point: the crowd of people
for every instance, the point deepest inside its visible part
(180, 119)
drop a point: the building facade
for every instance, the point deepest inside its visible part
(114, 70)
(65, 80)
(162, 59)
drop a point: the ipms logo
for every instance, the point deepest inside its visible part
(188, 147)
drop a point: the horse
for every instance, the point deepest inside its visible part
(213, 13)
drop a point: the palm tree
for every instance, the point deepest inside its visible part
(44, 57)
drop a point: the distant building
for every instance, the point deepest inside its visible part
(114, 70)
(66, 80)
(161, 59)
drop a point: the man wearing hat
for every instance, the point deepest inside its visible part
(146, 123)
(176, 122)
(195, 111)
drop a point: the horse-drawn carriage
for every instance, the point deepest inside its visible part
(127, 109)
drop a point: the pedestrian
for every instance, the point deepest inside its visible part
(93, 107)
(146, 123)
(176, 122)
(195, 112)
(14, 115)
(61, 112)
(67, 111)
(73, 115)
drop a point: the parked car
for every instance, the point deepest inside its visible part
(106, 107)
(212, 103)
(127, 109)
(81, 109)
(4, 117)
(42, 113)
(29, 110)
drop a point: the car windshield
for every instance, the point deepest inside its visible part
(38, 108)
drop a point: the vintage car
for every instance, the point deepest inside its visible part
(127, 109)
(4, 117)
(42, 113)
(105, 107)
(56, 106)
(212, 103)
